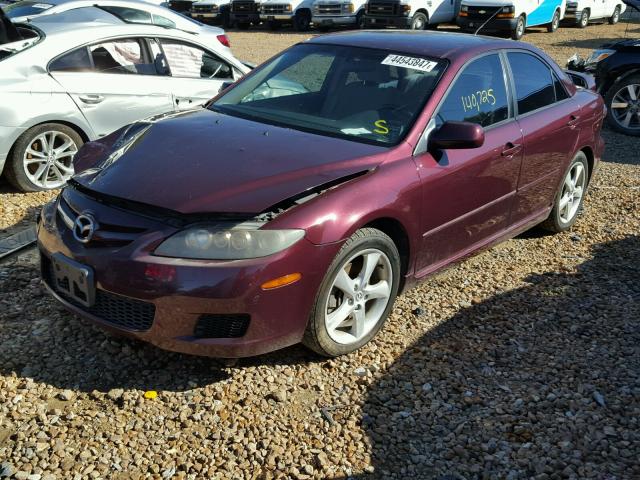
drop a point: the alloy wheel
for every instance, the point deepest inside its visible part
(48, 161)
(625, 107)
(359, 296)
(572, 192)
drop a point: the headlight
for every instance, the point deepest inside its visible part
(221, 242)
(348, 8)
(598, 55)
(406, 9)
(509, 9)
(464, 8)
(287, 8)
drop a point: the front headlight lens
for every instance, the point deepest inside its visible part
(347, 8)
(464, 8)
(232, 243)
(598, 55)
(508, 9)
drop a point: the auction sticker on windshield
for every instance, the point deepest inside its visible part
(410, 62)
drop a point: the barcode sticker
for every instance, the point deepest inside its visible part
(410, 62)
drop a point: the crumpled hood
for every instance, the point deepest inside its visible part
(205, 161)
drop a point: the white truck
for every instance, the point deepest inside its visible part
(212, 11)
(412, 14)
(581, 12)
(275, 13)
(332, 13)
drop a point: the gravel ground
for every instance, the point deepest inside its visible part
(522, 362)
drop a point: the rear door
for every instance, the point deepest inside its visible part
(197, 75)
(550, 123)
(468, 193)
(113, 83)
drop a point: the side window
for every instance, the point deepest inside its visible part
(561, 92)
(130, 15)
(189, 61)
(126, 56)
(533, 81)
(163, 21)
(479, 94)
(76, 61)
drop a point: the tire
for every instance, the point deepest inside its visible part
(272, 25)
(613, 19)
(617, 95)
(419, 21)
(28, 177)
(583, 21)
(518, 32)
(342, 339)
(302, 21)
(564, 214)
(555, 22)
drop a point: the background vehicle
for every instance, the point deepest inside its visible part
(330, 13)
(413, 14)
(214, 11)
(616, 67)
(581, 12)
(245, 13)
(80, 81)
(128, 11)
(278, 12)
(510, 16)
(180, 6)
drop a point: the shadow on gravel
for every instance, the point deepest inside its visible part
(541, 380)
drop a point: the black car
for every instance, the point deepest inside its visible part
(616, 67)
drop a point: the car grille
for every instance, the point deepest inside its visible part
(244, 7)
(329, 9)
(383, 8)
(480, 13)
(117, 310)
(106, 235)
(221, 326)
(572, 8)
(204, 9)
(273, 9)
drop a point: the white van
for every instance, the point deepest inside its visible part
(412, 14)
(330, 13)
(512, 16)
(581, 12)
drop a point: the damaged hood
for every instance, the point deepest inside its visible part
(205, 161)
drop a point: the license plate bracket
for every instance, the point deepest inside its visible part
(73, 280)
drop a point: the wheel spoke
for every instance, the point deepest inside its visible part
(619, 104)
(379, 290)
(563, 202)
(35, 153)
(67, 143)
(339, 315)
(577, 193)
(57, 173)
(370, 263)
(358, 323)
(632, 92)
(69, 153)
(40, 171)
(64, 168)
(577, 173)
(52, 142)
(344, 282)
(627, 118)
(44, 143)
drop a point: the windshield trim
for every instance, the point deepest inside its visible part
(214, 106)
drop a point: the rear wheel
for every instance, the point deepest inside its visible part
(583, 21)
(613, 19)
(568, 201)
(555, 22)
(302, 21)
(42, 157)
(419, 21)
(623, 105)
(518, 30)
(356, 295)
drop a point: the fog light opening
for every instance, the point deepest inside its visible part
(281, 281)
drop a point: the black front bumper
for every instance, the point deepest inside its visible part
(245, 18)
(495, 25)
(372, 21)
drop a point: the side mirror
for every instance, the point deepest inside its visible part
(457, 135)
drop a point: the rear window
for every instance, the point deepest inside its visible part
(26, 9)
(30, 37)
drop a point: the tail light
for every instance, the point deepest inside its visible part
(224, 40)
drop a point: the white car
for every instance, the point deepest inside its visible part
(129, 11)
(67, 83)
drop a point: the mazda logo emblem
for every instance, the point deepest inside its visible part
(84, 227)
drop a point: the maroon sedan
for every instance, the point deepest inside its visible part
(298, 203)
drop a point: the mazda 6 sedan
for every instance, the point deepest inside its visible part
(297, 204)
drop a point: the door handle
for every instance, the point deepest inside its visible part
(511, 150)
(574, 121)
(91, 99)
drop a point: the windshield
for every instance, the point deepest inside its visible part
(362, 94)
(25, 9)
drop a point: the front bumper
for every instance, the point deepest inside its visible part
(380, 21)
(325, 20)
(281, 17)
(177, 294)
(495, 25)
(245, 17)
(204, 15)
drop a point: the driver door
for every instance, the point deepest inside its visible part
(197, 75)
(468, 193)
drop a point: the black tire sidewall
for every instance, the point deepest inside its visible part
(555, 22)
(608, 99)
(365, 238)
(14, 171)
(425, 21)
(615, 17)
(302, 21)
(516, 35)
(583, 22)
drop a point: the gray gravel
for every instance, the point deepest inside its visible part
(522, 362)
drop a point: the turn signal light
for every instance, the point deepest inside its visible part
(463, 14)
(506, 15)
(281, 281)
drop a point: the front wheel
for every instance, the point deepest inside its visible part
(356, 295)
(302, 21)
(518, 31)
(42, 157)
(583, 21)
(419, 21)
(623, 105)
(613, 19)
(555, 22)
(570, 195)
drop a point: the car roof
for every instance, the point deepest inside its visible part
(449, 45)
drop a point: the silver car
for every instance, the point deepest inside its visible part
(68, 83)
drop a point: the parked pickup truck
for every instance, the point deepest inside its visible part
(212, 11)
(330, 13)
(244, 13)
(412, 14)
(276, 13)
